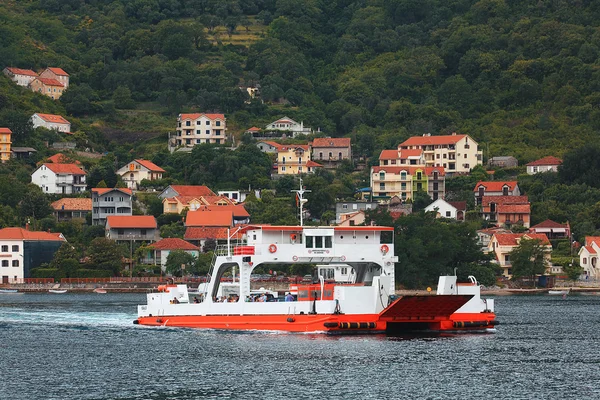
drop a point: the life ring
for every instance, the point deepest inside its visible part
(385, 249)
(293, 237)
(272, 248)
(295, 258)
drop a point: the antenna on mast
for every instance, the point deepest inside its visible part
(300, 200)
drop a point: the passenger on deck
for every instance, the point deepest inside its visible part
(175, 300)
(289, 296)
(263, 298)
(196, 300)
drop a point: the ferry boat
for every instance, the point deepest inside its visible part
(360, 299)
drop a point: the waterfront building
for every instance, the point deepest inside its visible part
(455, 153)
(160, 250)
(501, 244)
(59, 178)
(21, 250)
(588, 257)
(110, 201)
(133, 228)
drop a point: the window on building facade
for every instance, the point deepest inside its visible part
(218, 123)
(505, 191)
(382, 186)
(208, 131)
(188, 123)
(15, 263)
(382, 175)
(15, 248)
(207, 122)
(4, 248)
(403, 175)
(448, 214)
(5, 263)
(198, 122)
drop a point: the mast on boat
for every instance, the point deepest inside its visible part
(300, 200)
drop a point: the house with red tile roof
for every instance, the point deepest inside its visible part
(292, 159)
(285, 128)
(495, 188)
(132, 228)
(331, 151)
(199, 235)
(5, 144)
(268, 146)
(177, 204)
(60, 158)
(186, 190)
(502, 244)
(194, 129)
(506, 210)
(21, 250)
(137, 170)
(21, 77)
(66, 209)
(52, 122)
(110, 201)
(59, 178)
(552, 229)
(588, 257)
(404, 182)
(48, 87)
(445, 209)
(456, 153)
(160, 250)
(396, 158)
(545, 164)
(56, 73)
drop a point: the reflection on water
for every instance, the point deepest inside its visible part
(85, 346)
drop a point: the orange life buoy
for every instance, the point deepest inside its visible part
(272, 248)
(385, 249)
(293, 236)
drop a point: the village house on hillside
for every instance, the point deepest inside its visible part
(502, 244)
(456, 153)
(267, 146)
(404, 182)
(176, 198)
(66, 209)
(48, 87)
(446, 209)
(396, 158)
(588, 257)
(21, 77)
(331, 150)
(110, 201)
(132, 228)
(59, 178)
(193, 129)
(286, 127)
(545, 164)
(506, 210)
(503, 162)
(137, 170)
(553, 230)
(5, 144)
(213, 223)
(160, 250)
(51, 121)
(21, 250)
(293, 159)
(495, 188)
(60, 158)
(56, 73)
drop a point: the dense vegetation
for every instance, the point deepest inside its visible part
(521, 77)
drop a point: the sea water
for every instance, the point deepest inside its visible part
(84, 346)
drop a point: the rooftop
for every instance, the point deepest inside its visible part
(512, 239)
(192, 190)
(550, 160)
(331, 142)
(149, 165)
(199, 233)
(173, 244)
(19, 71)
(101, 191)
(58, 71)
(73, 204)
(24, 234)
(72, 169)
(50, 82)
(198, 115)
(131, 221)
(55, 119)
(209, 218)
(495, 186)
(426, 140)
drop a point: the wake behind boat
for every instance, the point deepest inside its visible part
(57, 291)
(9, 291)
(365, 305)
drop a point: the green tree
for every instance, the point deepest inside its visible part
(122, 97)
(178, 258)
(529, 258)
(35, 204)
(105, 254)
(65, 252)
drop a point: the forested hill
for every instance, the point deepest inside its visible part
(520, 76)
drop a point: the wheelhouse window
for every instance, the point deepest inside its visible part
(319, 242)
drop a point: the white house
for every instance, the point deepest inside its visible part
(163, 248)
(588, 256)
(442, 208)
(59, 178)
(21, 77)
(22, 249)
(286, 125)
(544, 165)
(193, 129)
(51, 121)
(137, 170)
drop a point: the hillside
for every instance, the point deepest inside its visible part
(520, 77)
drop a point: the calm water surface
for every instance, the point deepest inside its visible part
(84, 346)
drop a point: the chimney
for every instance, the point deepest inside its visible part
(27, 226)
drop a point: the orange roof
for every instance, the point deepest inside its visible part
(70, 204)
(55, 119)
(589, 240)
(495, 186)
(196, 116)
(198, 233)
(312, 164)
(431, 140)
(24, 234)
(549, 224)
(192, 190)
(254, 129)
(550, 160)
(486, 200)
(271, 143)
(173, 244)
(406, 153)
(131, 221)
(149, 165)
(5, 130)
(590, 249)
(64, 168)
(238, 210)
(410, 170)
(205, 217)
(60, 158)
(514, 208)
(58, 71)
(101, 191)
(511, 239)
(19, 71)
(50, 82)
(389, 155)
(331, 142)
